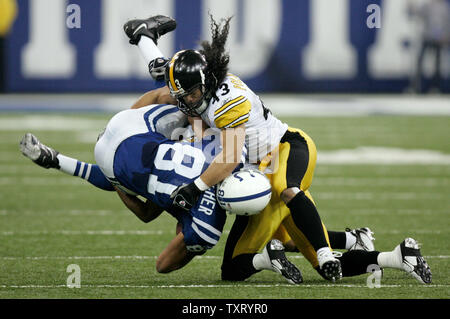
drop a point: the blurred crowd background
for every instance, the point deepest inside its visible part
(292, 46)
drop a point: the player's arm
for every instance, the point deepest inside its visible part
(174, 256)
(145, 211)
(157, 96)
(230, 118)
(233, 140)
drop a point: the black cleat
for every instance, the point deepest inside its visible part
(274, 252)
(413, 262)
(39, 153)
(153, 27)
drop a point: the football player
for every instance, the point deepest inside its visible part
(137, 155)
(198, 82)
(196, 232)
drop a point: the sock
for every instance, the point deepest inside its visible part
(338, 239)
(391, 259)
(357, 262)
(350, 240)
(148, 49)
(89, 172)
(307, 219)
(260, 262)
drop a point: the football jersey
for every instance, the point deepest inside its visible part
(141, 161)
(237, 105)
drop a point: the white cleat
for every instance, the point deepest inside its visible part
(364, 239)
(330, 266)
(412, 260)
(39, 153)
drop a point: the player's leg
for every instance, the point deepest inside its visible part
(296, 158)
(250, 235)
(406, 256)
(350, 239)
(145, 34)
(47, 157)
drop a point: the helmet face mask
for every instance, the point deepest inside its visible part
(193, 102)
(186, 80)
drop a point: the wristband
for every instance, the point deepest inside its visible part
(200, 184)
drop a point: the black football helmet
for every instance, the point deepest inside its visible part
(185, 73)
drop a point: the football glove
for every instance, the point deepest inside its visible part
(185, 196)
(157, 68)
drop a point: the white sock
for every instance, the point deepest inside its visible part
(148, 49)
(260, 262)
(350, 240)
(67, 164)
(391, 259)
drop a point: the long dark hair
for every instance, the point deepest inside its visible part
(216, 58)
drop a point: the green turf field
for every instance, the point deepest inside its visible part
(49, 220)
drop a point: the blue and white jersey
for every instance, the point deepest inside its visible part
(140, 160)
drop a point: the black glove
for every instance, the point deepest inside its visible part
(157, 68)
(185, 196)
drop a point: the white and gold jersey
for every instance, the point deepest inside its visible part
(238, 105)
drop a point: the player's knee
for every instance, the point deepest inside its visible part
(288, 194)
(238, 268)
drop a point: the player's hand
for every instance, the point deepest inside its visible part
(157, 68)
(185, 196)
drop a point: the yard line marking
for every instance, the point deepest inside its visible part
(401, 211)
(226, 286)
(379, 196)
(165, 232)
(374, 155)
(146, 257)
(162, 232)
(382, 181)
(85, 232)
(319, 181)
(76, 212)
(51, 123)
(40, 181)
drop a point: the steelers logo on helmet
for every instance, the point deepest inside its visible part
(185, 77)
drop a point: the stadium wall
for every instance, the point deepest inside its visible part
(275, 46)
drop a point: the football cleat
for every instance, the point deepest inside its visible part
(364, 239)
(330, 266)
(39, 153)
(153, 27)
(274, 253)
(413, 262)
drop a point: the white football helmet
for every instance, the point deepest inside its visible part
(246, 192)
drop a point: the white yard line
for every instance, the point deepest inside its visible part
(137, 257)
(223, 286)
(380, 196)
(162, 232)
(280, 104)
(83, 232)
